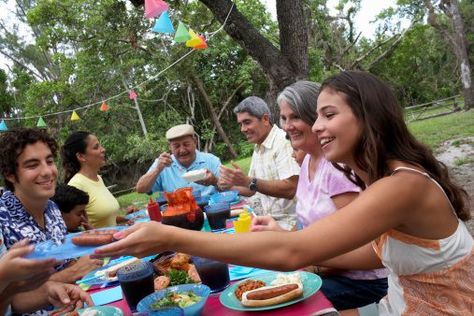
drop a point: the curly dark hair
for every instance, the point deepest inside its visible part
(12, 144)
(75, 143)
(67, 197)
(385, 135)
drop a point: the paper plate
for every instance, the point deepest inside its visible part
(311, 284)
(100, 311)
(66, 250)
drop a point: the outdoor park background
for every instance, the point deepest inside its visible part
(74, 55)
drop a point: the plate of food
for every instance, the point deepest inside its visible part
(97, 311)
(270, 291)
(174, 269)
(194, 175)
(75, 245)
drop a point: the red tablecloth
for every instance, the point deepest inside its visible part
(213, 307)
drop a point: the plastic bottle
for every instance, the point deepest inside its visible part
(242, 224)
(154, 211)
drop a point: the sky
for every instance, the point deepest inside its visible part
(369, 9)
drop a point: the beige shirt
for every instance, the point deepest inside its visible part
(272, 160)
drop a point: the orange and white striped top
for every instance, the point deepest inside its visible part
(428, 277)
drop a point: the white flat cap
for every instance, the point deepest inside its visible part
(180, 131)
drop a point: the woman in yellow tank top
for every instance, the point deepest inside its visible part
(82, 158)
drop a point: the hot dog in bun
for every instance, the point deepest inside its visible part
(271, 295)
(255, 293)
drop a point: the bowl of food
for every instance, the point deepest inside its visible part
(194, 175)
(189, 297)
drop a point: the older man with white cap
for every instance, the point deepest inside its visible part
(165, 174)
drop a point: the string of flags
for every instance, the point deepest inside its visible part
(159, 9)
(154, 9)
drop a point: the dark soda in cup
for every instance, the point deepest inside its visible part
(217, 214)
(212, 273)
(136, 281)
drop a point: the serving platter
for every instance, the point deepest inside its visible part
(66, 249)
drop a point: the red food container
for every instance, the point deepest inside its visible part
(154, 211)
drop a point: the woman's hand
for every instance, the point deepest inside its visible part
(67, 297)
(140, 240)
(265, 223)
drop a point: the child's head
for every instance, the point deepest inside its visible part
(72, 203)
(27, 162)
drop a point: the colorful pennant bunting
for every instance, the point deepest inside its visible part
(74, 116)
(182, 34)
(3, 126)
(132, 95)
(41, 123)
(163, 24)
(154, 8)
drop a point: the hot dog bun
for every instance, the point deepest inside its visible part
(284, 293)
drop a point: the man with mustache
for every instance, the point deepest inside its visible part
(273, 174)
(165, 174)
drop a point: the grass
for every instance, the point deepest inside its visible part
(433, 132)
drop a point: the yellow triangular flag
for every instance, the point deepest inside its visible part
(74, 116)
(194, 41)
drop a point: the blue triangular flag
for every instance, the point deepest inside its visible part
(3, 126)
(163, 24)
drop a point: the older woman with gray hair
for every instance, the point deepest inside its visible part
(322, 190)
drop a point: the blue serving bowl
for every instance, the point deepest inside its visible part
(226, 196)
(193, 310)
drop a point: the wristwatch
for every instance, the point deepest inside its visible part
(253, 184)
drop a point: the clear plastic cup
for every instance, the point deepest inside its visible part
(217, 214)
(136, 281)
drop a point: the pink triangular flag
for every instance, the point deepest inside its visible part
(132, 95)
(154, 8)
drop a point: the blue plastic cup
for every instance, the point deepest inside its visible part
(136, 281)
(165, 311)
(217, 214)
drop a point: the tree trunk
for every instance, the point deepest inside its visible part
(282, 68)
(198, 82)
(457, 40)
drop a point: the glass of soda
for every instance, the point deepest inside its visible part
(212, 273)
(136, 281)
(217, 214)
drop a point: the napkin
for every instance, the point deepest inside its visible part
(107, 296)
(241, 272)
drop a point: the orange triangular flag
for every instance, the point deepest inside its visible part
(74, 116)
(203, 43)
(104, 107)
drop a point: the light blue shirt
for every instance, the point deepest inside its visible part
(170, 178)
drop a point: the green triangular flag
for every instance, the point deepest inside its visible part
(182, 34)
(41, 123)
